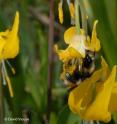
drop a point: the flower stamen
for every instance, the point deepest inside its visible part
(7, 79)
(11, 67)
(72, 11)
(60, 11)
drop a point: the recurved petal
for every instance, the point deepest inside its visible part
(67, 54)
(15, 26)
(69, 34)
(60, 12)
(78, 43)
(10, 40)
(95, 42)
(113, 99)
(105, 68)
(99, 109)
(77, 97)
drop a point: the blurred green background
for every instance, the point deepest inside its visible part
(30, 82)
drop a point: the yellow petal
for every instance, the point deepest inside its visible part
(95, 43)
(78, 44)
(76, 100)
(4, 33)
(75, 41)
(105, 68)
(15, 26)
(69, 34)
(99, 109)
(67, 54)
(60, 12)
(113, 99)
(10, 40)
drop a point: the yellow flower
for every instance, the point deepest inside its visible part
(78, 44)
(9, 41)
(81, 42)
(9, 48)
(95, 97)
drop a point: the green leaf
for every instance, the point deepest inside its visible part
(53, 118)
(67, 117)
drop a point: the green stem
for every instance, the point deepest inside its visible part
(1, 99)
(77, 16)
(50, 60)
(88, 122)
(97, 122)
(84, 18)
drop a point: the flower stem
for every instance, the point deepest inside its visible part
(50, 59)
(77, 16)
(84, 17)
(1, 98)
(88, 122)
(97, 122)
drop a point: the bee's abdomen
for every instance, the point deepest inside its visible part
(85, 75)
(74, 77)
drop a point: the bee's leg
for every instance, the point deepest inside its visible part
(70, 89)
(70, 78)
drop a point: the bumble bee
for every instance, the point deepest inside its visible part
(82, 68)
